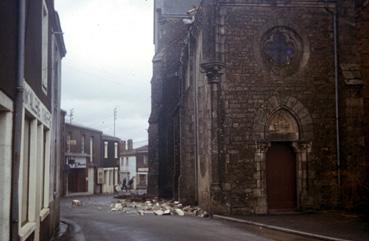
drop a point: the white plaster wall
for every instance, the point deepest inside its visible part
(91, 178)
(6, 126)
(132, 169)
(110, 180)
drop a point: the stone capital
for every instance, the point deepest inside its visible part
(213, 71)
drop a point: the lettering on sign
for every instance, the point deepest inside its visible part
(34, 105)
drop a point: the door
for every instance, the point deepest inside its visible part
(77, 180)
(281, 177)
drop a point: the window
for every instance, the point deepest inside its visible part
(145, 160)
(6, 122)
(142, 179)
(105, 149)
(46, 168)
(41, 144)
(111, 177)
(83, 144)
(115, 150)
(45, 46)
(68, 142)
(25, 170)
(91, 149)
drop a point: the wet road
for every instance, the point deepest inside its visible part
(94, 221)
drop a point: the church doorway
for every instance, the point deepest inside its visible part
(281, 177)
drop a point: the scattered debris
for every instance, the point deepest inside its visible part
(117, 207)
(159, 213)
(76, 203)
(141, 206)
(179, 212)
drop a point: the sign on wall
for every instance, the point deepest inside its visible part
(76, 162)
(34, 105)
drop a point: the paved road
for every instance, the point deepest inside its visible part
(95, 222)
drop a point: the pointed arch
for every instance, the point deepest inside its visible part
(289, 109)
(282, 126)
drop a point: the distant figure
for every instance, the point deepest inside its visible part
(130, 183)
(124, 185)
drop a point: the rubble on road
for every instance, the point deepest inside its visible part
(140, 206)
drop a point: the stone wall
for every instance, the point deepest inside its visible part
(251, 82)
(363, 39)
(163, 131)
(278, 86)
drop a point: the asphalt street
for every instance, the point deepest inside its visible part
(94, 221)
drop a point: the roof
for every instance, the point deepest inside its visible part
(132, 152)
(108, 137)
(142, 148)
(176, 7)
(59, 35)
(82, 127)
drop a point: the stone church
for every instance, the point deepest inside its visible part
(261, 106)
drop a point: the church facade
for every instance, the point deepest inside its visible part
(261, 106)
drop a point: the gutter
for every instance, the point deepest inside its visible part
(334, 15)
(18, 120)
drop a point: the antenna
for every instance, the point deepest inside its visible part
(115, 117)
(71, 114)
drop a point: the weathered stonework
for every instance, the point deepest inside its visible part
(277, 86)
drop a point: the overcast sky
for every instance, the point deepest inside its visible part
(108, 64)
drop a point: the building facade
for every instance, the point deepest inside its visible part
(30, 119)
(82, 159)
(261, 107)
(134, 164)
(109, 167)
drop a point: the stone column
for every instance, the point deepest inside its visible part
(302, 157)
(214, 71)
(260, 191)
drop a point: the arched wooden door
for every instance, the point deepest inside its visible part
(281, 177)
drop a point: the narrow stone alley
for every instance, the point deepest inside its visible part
(94, 220)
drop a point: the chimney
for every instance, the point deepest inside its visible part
(130, 144)
(123, 146)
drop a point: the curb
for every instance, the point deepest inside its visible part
(277, 228)
(73, 232)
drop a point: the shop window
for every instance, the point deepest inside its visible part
(25, 171)
(46, 170)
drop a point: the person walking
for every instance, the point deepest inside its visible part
(124, 185)
(130, 183)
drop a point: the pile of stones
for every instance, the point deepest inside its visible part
(156, 207)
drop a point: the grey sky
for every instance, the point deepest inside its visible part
(108, 64)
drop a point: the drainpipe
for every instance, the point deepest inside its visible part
(18, 120)
(334, 15)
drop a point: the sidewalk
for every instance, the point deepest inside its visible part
(329, 225)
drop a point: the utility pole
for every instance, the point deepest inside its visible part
(71, 114)
(115, 117)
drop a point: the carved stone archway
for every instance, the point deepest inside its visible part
(282, 119)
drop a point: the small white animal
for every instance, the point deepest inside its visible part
(76, 203)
